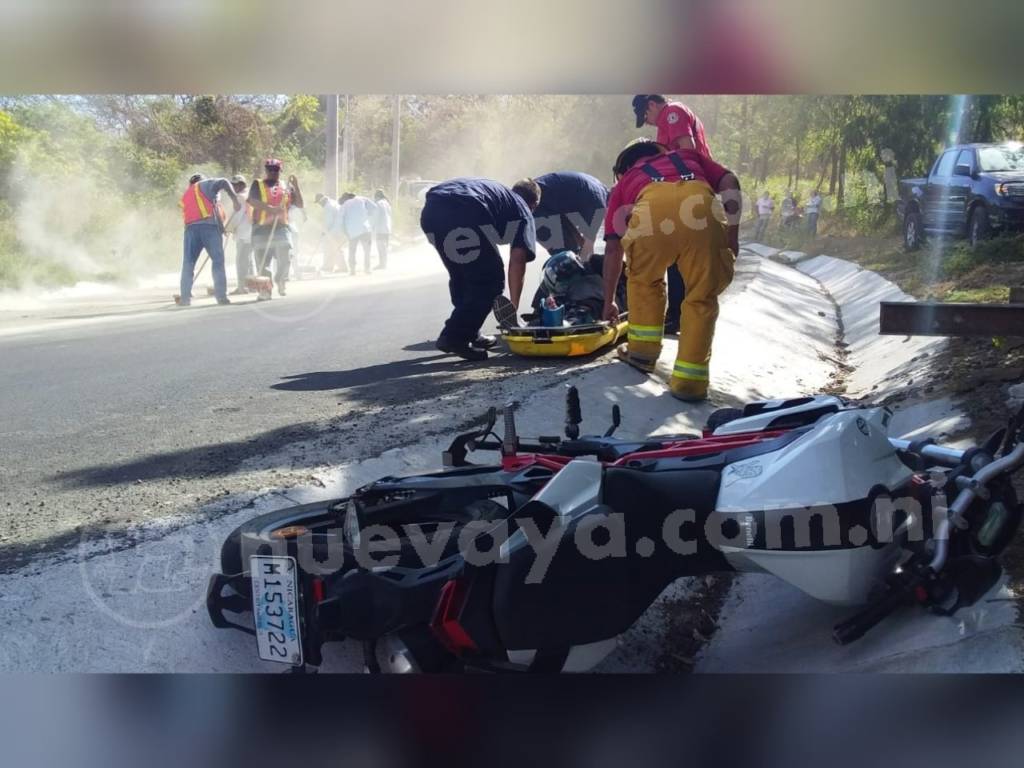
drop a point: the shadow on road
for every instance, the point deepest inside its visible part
(406, 381)
(420, 346)
(403, 383)
(381, 374)
(212, 460)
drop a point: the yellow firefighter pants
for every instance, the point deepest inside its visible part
(681, 223)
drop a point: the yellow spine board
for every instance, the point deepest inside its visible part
(574, 345)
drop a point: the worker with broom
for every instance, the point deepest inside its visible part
(240, 225)
(204, 227)
(271, 236)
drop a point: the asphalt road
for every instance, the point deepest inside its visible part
(157, 413)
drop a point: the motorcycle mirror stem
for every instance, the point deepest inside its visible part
(510, 440)
(573, 413)
(616, 420)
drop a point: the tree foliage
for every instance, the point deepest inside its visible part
(136, 151)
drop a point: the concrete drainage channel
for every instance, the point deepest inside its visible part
(136, 603)
(766, 625)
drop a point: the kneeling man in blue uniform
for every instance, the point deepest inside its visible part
(466, 219)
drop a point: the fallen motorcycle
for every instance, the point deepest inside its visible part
(540, 561)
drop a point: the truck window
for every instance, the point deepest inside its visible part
(1006, 157)
(944, 167)
(966, 157)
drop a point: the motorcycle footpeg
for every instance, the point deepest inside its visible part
(217, 603)
(858, 625)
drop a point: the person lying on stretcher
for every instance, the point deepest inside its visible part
(570, 288)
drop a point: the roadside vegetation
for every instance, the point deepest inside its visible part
(89, 185)
(943, 269)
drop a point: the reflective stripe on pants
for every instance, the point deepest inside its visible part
(689, 371)
(677, 223)
(646, 333)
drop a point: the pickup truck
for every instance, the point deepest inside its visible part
(973, 191)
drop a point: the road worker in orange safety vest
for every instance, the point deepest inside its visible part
(663, 211)
(204, 229)
(271, 236)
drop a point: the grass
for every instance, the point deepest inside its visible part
(947, 270)
(992, 294)
(16, 272)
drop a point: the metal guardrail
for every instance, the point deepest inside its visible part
(907, 318)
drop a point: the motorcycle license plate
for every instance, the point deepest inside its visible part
(276, 608)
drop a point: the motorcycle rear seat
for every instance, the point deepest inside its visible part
(582, 598)
(661, 493)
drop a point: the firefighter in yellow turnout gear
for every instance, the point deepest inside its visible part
(663, 211)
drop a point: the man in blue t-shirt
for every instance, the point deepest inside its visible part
(570, 212)
(466, 219)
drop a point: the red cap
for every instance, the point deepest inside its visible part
(271, 162)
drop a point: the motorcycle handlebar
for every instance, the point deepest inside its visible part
(946, 457)
(494, 445)
(978, 482)
(974, 486)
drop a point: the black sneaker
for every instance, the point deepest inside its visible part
(505, 312)
(464, 351)
(225, 300)
(484, 342)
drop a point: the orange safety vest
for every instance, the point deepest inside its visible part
(275, 195)
(196, 206)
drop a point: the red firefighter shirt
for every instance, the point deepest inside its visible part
(625, 193)
(677, 121)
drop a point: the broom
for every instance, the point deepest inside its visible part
(259, 282)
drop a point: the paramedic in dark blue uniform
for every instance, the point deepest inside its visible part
(570, 212)
(466, 219)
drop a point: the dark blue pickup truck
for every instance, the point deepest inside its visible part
(973, 191)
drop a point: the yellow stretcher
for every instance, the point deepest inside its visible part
(570, 341)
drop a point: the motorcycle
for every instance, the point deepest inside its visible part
(540, 561)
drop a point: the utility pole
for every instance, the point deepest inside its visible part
(346, 138)
(396, 137)
(331, 168)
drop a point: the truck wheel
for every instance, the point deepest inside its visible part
(977, 225)
(912, 231)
